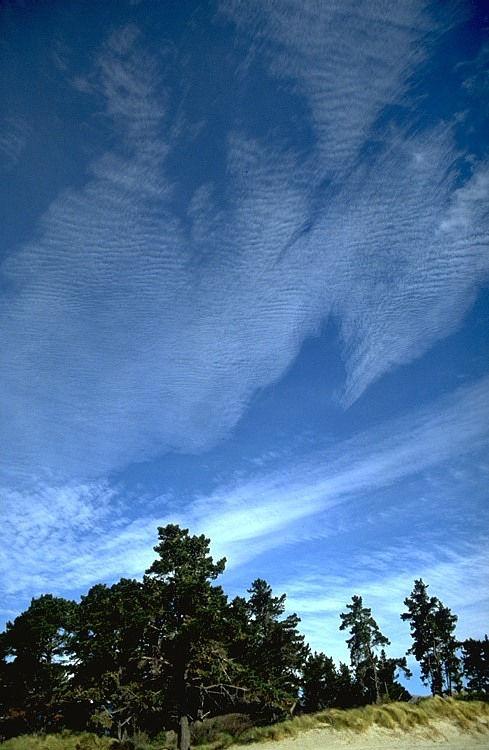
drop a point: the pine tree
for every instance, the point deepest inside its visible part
(349, 691)
(434, 643)
(35, 672)
(273, 651)
(388, 674)
(107, 647)
(365, 639)
(475, 656)
(319, 682)
(445, 623)
(187, 641)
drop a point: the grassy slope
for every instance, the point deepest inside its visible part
(221, 732)
(468, 717)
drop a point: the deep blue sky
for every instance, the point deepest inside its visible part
(244, 286)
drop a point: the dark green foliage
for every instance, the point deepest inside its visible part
(365, 639)
(270, 649)
(434, 643)
(475, 657)
(320, 685)
(106, 647)
(388, 671)
(349, 691)
(169, 656)
(186, 647)
(34, 673)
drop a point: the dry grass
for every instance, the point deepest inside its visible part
(469, 717)
(62, 741)
(67, 740)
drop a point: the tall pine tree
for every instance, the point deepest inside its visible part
(434, 643)
(320, 683)
(273, 650)
(365, 639)
(187, 641)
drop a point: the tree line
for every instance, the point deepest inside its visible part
(171, 649)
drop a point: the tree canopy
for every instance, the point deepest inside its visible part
(475, 658)
(365, 640)
(171, 649)
(434, 643)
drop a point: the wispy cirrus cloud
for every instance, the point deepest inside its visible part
(44, 527)
(87, 532)
(408, 288)
(132, 328)
(349, 60)
(402, 244)
(266, 512)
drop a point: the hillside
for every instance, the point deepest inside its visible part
(444, 735)
(454, 725)
(433, 722)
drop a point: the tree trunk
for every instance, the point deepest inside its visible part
(376, 677)
(183, 733)
(439, 671)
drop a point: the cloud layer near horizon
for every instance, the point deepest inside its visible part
(63, 539)
(88, 532)
(457, 574)
(130, 329)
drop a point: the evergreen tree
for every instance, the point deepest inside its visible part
(434, 643)
(475, 657)
(272, 651)
(365, 639)
(169, 649)
(35, 671)
(349, 692)
(319, 682)
(107, 647)
(187, 647)
(388, 675)
(445, 623)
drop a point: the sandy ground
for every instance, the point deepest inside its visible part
(447, 737)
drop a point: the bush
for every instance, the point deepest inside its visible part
(219, 729)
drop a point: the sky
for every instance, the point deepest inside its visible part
(244, 276)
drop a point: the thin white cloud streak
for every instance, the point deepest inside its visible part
(82, 533)
(251, 517)
(126, 335)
